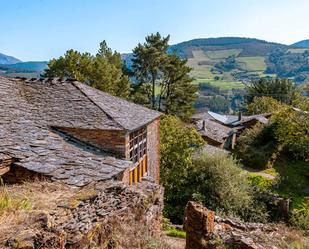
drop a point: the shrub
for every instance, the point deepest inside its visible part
(261, 182)
(178, 143)
(263, 105)
(220, 184)
(256, 147)
(293, 131)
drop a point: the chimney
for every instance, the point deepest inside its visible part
(239, 116)
(204, 125)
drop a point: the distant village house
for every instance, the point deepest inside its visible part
(221, 131)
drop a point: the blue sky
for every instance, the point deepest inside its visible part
(43, 29)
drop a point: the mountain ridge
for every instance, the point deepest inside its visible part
(7, 59)
(301, 44)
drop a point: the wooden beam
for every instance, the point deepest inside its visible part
(4, 170)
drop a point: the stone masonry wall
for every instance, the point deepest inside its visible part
(153, 149)
(109, 215)
(205, 230)
(113, 141)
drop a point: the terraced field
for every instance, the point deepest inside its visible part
(256, 63)
(204, 70)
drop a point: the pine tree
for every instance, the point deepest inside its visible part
(282, 90)
(154, 67)
(149, 60)
(178, 94)
(103, 71)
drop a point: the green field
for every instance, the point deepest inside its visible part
(204, 70)
(223, 85)
(256, 63)
(222, 54)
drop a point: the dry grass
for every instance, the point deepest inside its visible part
(19, 203)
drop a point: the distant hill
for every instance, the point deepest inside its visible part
(248, 46)
(6, 59)
(29, 65)
(301, 44)
(231, 62)
(23, 69)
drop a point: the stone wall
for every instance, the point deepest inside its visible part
(108, 215)
(113, 141)
(205, 230)
(153, 149)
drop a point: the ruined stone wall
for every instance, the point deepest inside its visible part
(153, 149)
(205, 230)
(107, 215)
(113, 141)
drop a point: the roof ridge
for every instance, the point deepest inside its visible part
(76, 84)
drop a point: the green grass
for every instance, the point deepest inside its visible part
(222, 84)
(260, 181)
(202, 72)
(173, 232)
(294, 177)
(256, 63)
(222, 54)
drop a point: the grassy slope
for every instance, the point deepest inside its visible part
(256, 63)
(203, 63)
(291, 181)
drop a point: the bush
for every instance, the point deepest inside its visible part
(178, 143)
(256, 147)
(300, 221)
(261, 182)
(220, 184)
(263, 105)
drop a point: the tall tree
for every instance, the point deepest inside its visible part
(103, 71)
(149, 60)
(282, 90)
(177, 94)
(156, 70)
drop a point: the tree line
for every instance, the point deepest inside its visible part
(157, 79)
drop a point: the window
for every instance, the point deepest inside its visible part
(138, 144)
(138, 151)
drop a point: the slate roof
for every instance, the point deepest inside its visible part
(213, 130)
(233, 119)
(211, 150)
(128, 115)
(28, 110)
(218, 127)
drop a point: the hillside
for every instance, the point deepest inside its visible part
(224, 62)
(301, 44)
(23, 69)
(245, 46)
(5, 59)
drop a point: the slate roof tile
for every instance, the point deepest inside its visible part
(28, 109)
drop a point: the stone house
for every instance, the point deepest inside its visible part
(222, 130)
(66, 131)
